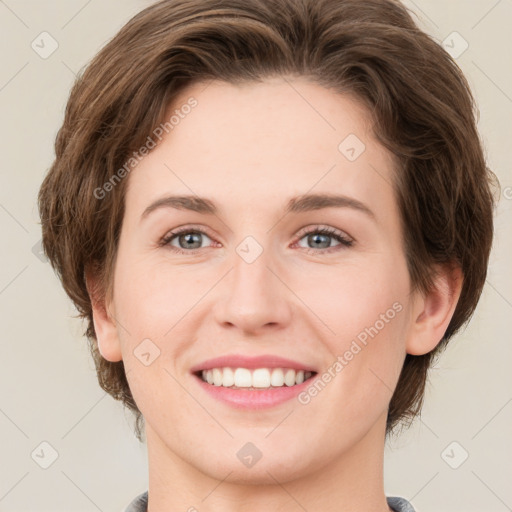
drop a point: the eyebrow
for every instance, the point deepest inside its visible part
(299, 204)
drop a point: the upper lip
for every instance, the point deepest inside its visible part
(251, 362)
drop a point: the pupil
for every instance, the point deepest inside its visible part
(314, 239)
(189, 239)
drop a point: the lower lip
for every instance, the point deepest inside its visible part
(253, 399)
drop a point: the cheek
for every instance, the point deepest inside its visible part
(150, 295)
(367, 312)
(351, 299)
(152, 299)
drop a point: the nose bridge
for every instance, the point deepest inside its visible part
(254, 296)
(251, 270)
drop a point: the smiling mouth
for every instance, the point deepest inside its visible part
(254, 379)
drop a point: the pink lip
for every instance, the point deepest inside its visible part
(253, 399)
(246, 398)
(239, 361)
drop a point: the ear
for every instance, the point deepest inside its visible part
(104, 321)
(433, 312)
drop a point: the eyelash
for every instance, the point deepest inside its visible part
(344, 241)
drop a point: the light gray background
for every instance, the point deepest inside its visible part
(48, 383)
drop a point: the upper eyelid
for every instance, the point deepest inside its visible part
(188, 228)
(323, 227)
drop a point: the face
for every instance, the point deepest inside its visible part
(257, 270)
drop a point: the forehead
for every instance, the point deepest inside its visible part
(256, 142)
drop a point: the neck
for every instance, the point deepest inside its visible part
(352, 480)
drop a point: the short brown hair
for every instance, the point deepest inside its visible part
(419, 100)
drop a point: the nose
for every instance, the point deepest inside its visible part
(253, 296)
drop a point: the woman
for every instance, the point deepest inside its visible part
(272, 214)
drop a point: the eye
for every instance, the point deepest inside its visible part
(188, 240)
(321, 237)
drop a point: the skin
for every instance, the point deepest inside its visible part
(249, 149)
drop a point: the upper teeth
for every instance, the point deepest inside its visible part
(257, 378)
